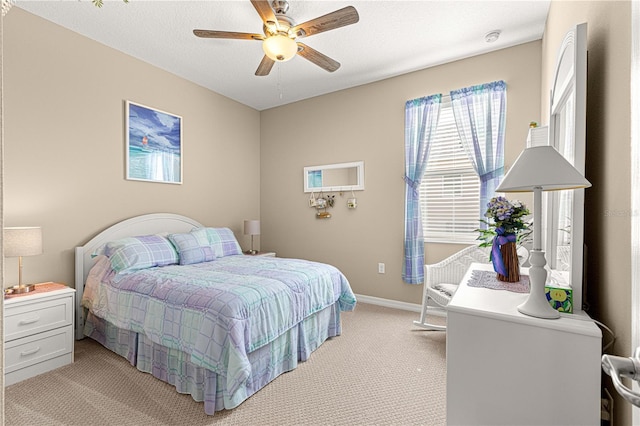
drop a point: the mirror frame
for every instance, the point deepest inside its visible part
(359, 186)
(570, 84)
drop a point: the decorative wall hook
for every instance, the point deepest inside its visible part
(352, 202)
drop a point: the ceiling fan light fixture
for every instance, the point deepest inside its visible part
(281, 32)
(279, 48)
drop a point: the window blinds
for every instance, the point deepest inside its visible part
(450, 188)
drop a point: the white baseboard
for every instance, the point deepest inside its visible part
(405, 306)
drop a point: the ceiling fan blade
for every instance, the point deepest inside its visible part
(263, 7)
(227, 34)
(265, 66)
(321, 60)
(339, 18)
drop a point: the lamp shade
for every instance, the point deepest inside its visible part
(543, 167)
(22, 241)
(252, 227)
(280, 48)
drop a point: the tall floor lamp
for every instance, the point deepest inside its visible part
(537, 169)
(18, 242)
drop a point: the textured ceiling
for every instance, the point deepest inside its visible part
(391, 38)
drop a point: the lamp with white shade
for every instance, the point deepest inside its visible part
(19, 242)
(537, 169)
(251, 227)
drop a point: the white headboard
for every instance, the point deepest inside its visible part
(140, 225)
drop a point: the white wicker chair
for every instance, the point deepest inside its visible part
(441, 280)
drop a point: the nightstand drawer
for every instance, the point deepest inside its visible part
(41, 347)
(30, 318)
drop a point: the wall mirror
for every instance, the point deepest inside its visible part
(567, 131)
(334, 177)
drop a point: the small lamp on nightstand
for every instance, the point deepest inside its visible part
(252, 227)
(18, 242)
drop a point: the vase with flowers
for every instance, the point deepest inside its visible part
(506, 226)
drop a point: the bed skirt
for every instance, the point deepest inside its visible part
(174, 366)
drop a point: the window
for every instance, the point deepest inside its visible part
(450, 188)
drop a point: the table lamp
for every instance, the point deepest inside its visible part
(18, 242)
(251, 227)
(537, 169)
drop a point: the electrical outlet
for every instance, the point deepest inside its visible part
(381, 268)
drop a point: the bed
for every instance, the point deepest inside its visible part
(180, 301)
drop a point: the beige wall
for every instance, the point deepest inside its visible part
(64, 100)
(607, 236)
(367, 123)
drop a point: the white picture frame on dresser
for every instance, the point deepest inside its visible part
(39, 333)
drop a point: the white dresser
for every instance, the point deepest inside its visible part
(506, 368)
(38, 334)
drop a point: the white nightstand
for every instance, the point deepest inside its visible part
(39, 329)
(266, 254)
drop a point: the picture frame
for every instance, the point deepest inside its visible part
(154, 147)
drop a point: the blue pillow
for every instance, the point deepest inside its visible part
(134, 253)
(192, 248)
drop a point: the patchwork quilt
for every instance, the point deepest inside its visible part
(218, 311)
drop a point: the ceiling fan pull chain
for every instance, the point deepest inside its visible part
(279, 82)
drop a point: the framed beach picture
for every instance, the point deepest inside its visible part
(154, 144)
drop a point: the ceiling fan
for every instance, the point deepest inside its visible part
(281, 33)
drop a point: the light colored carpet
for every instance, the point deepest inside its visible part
(380, 371)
